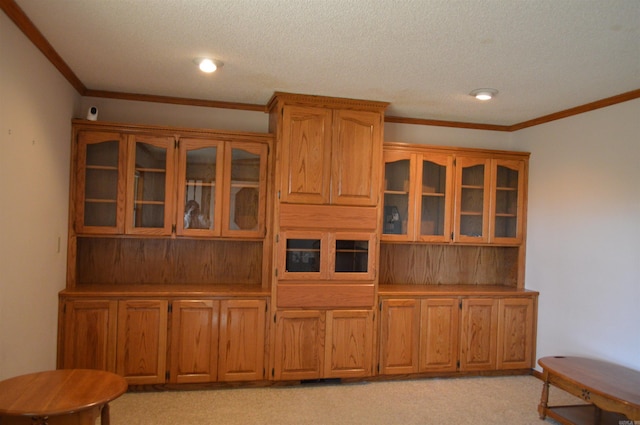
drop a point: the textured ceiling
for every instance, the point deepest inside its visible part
(423, 56)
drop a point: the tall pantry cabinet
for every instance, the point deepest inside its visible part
(326, 225)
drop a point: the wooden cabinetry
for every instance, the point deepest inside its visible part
(489, 194)
(89, 337)
(208, 340)
(314, 344)
(154, 181)
(141, 351)
(418, 196)
(329, 149)
(441, 195)
(459, 332)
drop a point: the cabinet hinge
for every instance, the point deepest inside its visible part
(451, 235)
(274, 318)
(276, 272)
(177, 144)
(277, 238)
(278, 194)
(170, 308)
(454, 161)
(273, 372)
(380, 305)
(167, 375)
(460, 304)
(173, 228)
(266, 307)
(458, 364)
(378, 367)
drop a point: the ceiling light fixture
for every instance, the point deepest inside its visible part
(484, 94)
(208, 65)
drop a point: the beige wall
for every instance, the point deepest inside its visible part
(583, 247)
(36, 104)
(583, 250)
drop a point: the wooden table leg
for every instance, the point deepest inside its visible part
(104, 415)
(544, 398)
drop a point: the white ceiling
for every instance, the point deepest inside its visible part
(423, 56)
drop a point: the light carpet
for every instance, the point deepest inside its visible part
(459, 401)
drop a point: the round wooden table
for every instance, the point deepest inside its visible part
(57, 397)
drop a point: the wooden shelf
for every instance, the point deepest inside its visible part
(166, 290)
(460, 289)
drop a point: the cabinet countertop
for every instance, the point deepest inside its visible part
(452, 290)
(166, 290)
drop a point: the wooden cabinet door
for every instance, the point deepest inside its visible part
(515, 333)
(142, 341)
(508, 198)
(242, 340)
(150, 185)
(194, 341)
(399, 338)
(305, 155)
(478, 336)
(299, 350)
(472, 191)
(100, 182)
(439, 333)
(356, 157)
(349, 343)
(89, 335)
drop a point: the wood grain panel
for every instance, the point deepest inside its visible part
(399, 336)
(194, 341)
(168, 261)
(422, 264)
(242, 336)
(299, 345)
(515, 333)
(478, 336)
(439, 333)
(334, 295)
(142, 341)
(349, 343)
(328, 217)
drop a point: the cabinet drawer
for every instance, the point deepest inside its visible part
(325, 295)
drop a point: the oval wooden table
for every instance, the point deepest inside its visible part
(611, 391)
(59, 397)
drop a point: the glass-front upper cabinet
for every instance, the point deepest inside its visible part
(150, 185)
(245, 176)
(199, 187)
(417, 196)
(472, 199)
(398, 197)
(508, 194)
(100, 182)
(434, 197)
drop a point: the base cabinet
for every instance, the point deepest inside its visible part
(154, 341)
(89, 335)
(315, 344)
(451, 334)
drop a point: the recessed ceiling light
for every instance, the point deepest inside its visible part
(484, 94)
(208, 65)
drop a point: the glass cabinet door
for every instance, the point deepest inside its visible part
(508, 178)
(199, 190)
(150, 206)
(434, 198)
(397, 217)
(352, 255)
(245, 189)
(472, 199)
(100, 183)
(304, 255)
